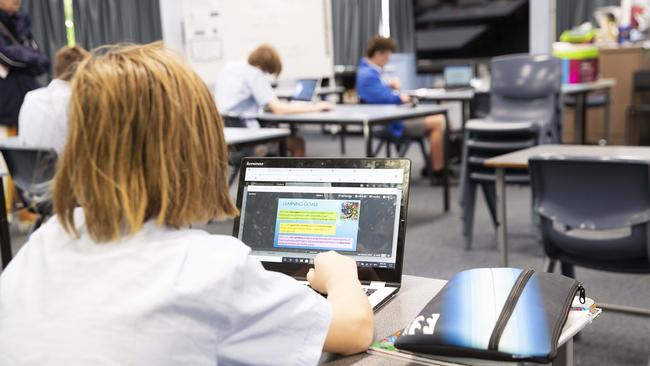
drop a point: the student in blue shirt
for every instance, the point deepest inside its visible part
(372, 88)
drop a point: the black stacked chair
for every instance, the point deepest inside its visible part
(525, 111)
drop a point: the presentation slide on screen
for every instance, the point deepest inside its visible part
(324, 224)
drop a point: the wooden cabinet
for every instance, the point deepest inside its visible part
(618, 63)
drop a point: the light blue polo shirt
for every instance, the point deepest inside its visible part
(243, 89)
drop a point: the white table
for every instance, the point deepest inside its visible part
(412, 297)
(519, 160)
(366, 115)
(244, 136)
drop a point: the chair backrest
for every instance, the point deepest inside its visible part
(31, 169)
(233, 120)
(525, 87)
(591, 193)
(641, 87)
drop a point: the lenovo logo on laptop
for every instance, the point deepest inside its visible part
(254, 163)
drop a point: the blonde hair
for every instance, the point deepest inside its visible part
(66, 61)
(266, 58)
(145, 142)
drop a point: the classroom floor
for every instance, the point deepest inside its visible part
(434, 248)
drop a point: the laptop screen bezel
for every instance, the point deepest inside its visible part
(467, 66)
(298, 270)
(313, 93)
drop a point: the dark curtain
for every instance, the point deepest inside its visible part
(100, 22)
(48, 24)
(353, 23)
(402, 27)
(570, 13)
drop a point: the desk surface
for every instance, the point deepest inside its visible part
(599, 84)
(442, 94)
(235, 136)
(287, 93)
(412, 297)
(356, 113)
(519, 159)
(602, 83)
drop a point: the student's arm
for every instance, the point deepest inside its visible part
(277, 106)
(351, 327)
(371, 90)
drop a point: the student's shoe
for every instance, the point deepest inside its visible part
(438, 178)
(26, 220)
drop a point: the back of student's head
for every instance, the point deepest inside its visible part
(379, 44)
(66, 61)
(266, 58)
(145, 143)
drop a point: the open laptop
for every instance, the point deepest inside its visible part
(294, 208)
(305, 90)
(458, 76)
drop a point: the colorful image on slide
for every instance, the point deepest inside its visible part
(317, 224)
(350, 210)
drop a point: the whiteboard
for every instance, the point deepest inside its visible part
(218, 31)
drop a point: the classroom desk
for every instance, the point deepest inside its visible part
(519, 160)
(322, 92)
(240, 137)
(412, 297)
(367, 116)
(437, 95)
(5, 239)
(581, 91)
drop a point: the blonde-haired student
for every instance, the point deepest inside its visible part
(118, 277)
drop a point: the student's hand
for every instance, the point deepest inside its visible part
(405, 98)
(332, 269)
(323, 106)
(394, 83)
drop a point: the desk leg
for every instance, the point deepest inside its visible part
(367, 138)
(564, 354)
(282, 147)
(579, 130)
(502, 234)
(465, 116)
(342, 133)
(5, 239)
(445, 172)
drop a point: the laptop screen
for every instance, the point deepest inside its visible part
(292, 211)
(459, 75)
(305, 89)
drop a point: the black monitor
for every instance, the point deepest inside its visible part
(462, 31)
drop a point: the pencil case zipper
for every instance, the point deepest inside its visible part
(509, 307)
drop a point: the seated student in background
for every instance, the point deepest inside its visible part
(373, 89)
(43, 118)
(244, 88)
(118, 277)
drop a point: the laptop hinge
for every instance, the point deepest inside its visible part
(393, 284)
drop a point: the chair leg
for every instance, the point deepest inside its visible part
(567, 269)
(388, 149)
(233, 175)
(467, 213)
(425, 154)
(489, 191)
(379, 146)
(549, 264)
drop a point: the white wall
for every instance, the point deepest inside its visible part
(213, 32)
(542, 25)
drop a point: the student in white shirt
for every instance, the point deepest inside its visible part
(43, 118)
(117, 277)
(244, 88)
